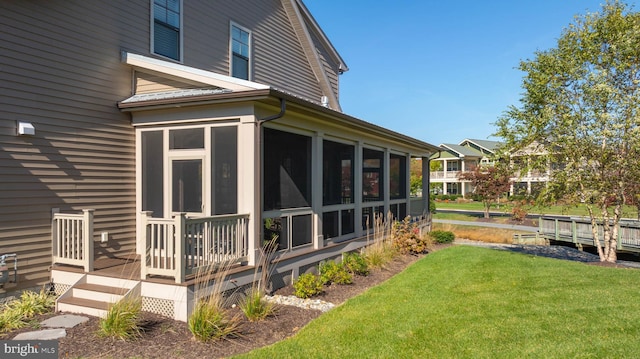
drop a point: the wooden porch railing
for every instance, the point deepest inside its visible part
(181, 246)
(72, 237)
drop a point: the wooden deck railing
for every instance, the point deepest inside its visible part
(181, 246)
(72, 237)
(578, 230)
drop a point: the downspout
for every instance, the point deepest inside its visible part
(283, 108)
(259, 157)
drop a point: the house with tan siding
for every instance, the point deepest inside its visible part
(454, 159)
(141, 141)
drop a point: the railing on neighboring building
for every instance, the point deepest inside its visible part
(578, 231)
(72, 236)
(443, 174)
(182, 246)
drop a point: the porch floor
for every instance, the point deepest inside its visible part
(129, 268)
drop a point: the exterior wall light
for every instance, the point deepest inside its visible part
(26, 129)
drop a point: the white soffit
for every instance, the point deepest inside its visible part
(190, 73)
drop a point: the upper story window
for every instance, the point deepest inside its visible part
(167, 25)
(240, 52)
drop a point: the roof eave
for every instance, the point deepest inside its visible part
(265, 94)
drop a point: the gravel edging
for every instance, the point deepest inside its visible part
(291, 300)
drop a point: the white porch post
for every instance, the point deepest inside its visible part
(250, 182)
(444, 171)
(425, 183)
(180, 263)
(316, 187)
(357, 189)
(143, 237)
(87, 228)
(387, 181)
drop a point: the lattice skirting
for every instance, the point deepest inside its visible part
(163, 307)
(59, 289)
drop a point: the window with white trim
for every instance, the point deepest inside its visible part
(240, 52)
(167, 28)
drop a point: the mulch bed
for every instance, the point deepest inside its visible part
(166, 338)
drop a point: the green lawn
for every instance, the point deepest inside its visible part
(629, 211)
(469, 302)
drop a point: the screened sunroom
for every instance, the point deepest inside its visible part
(307, 175)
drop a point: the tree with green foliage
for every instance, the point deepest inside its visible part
(489, 183)
(581, 103)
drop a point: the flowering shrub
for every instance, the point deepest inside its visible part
(407, 238)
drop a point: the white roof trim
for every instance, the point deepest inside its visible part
(322, 35)
(190, 73)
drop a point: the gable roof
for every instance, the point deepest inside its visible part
(490, 146)
(462, 151)
(303, 23)
(311, 21)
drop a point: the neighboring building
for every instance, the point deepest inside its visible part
(465, 156)
(454, 159)
(179, 134)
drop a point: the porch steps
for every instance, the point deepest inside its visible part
(94, 294)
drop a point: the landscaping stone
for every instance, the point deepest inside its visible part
(46, 334)
(316, 304)
(58, 324)
(64, 321)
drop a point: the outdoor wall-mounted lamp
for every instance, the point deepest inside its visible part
(26, 129)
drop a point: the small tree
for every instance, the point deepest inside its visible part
(489, 183)
(581, 102)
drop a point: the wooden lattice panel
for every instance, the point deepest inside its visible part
(163, 307)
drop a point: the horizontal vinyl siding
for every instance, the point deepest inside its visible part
(60, 70)
(277, 55)
(329, 65)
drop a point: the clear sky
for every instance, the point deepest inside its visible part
(439, 71)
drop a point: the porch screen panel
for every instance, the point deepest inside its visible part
(348, 221)
(287, 170)
(152, 169)
(337, 173)
(224, 170)
(372, 175)
(187, 186)
(300, 230)
(397, 177)
(186, 138)
(330, 224)
(276, 228)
